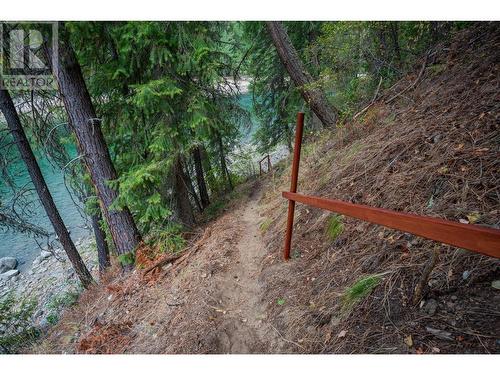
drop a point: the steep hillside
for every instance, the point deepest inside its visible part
(429, 145)
(432, 150)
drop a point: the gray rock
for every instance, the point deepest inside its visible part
(433, 283)
(7, 264)
(437, 138)
(9, 274)
(466, 275)
(445, 335)
(430, 306)
(45, 254)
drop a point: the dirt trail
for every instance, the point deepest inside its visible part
(245, 329)
(212, 304)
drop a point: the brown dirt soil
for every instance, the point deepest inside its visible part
(433, 150)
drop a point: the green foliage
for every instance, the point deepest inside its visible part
(347, 60)
(359, 290)
(168, 239)
(16, 323)
(52, 318)
(166, 92)
(280, 301)
(215, 208)
(60, 302)
(66, 299)
(275, 97)
(334, 226)
(127, 259)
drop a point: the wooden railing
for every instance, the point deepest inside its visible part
(472, 237)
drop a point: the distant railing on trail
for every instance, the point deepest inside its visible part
(269, 167)
(472, 237)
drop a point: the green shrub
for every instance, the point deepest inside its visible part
(52, 318)
(16, 329)
(168, 239)
(358, 291)
(127, 259)
(334, 227)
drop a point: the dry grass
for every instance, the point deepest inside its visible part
(433, 151)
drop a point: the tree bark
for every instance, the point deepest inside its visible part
(223, 166)
(200, 178)
(91, 141)
(207, 167)
(99, 235)
(14, 124)
(100, 240)
(186, 176)
(313, 96)
(395, 42)
(183, 207)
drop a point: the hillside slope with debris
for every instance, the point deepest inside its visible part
(429, 145)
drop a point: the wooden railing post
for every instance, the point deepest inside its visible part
(293, 184)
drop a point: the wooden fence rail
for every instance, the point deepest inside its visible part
(467, 236)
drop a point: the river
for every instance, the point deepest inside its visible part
(25, 248)
(22, 246)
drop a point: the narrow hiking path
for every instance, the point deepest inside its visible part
(213, 303)
(246, 329)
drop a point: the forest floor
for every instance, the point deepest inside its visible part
(429, 146)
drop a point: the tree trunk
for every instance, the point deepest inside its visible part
(183, 207)
(91, 141)
(99, 235)
(14, 124)
(313, 96)
(200, 178)
(223, 165)
(395, 42)
(186, 176)
(100, 240)
(207, 167)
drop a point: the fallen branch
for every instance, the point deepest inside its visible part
(163, 261)
(371, 103)
(285, 339)
(429, 266)
(420, 74)
(178, 258)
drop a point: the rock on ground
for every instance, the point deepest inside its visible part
(7, 264)
(49, 278)
(9, 274)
